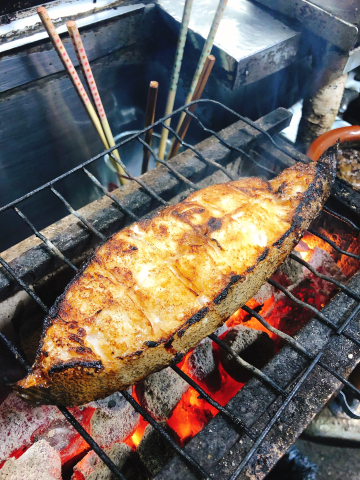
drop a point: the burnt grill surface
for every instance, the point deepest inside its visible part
(268, 414)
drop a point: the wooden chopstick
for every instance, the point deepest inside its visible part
(90, 80)
(70, 69)
(209, 63)
(149, 120)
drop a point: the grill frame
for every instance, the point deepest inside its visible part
(283, 396)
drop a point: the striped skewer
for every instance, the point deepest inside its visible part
(70, 69)
(204, 54)
(90, 80)
(175, 75)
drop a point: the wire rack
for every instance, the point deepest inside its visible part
(287, 394)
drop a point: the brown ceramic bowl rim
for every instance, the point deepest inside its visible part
(349, 136)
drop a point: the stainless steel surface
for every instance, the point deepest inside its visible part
(244, 30)
(320, 16)
(250, 42)
(33, 21)
(34, 62)
(348, 10)
(24, 24)
(353, 60)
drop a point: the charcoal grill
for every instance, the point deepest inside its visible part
(267, 415)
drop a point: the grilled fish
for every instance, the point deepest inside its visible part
(158, 287)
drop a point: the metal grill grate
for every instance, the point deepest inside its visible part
(285, 395)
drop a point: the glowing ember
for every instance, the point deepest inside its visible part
(190, 416)
(192, 413)
(134, 439)
(65, 438)
(23, 426)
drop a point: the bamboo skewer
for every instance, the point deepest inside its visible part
(205, 52)
(90, 80)
(70, 69)
(175, 75)
(64, 57)
(149, 120)
(209, 63)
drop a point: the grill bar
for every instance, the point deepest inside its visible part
(298, 347)
(197, 153)
(168, 166)
(252, 124)
(149, 190)
(108, 194)
(348, 320)
(77, 215)
(276, 417)
(251, 156)
(71, 419)
(318, 314)
(333, 244)
(49, 245)
(343, 287)
(88, 438)
(224, 142)
(247, 365)
(341, 217)
(23, 285)
(14, 351)
(162, 432)
(206, 160)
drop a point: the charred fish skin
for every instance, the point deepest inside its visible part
(156, 289)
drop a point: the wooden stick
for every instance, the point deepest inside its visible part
(90, 80)
(149, 120)
(64, 57)
(204, 54)
(70, 69)
(209, 63)
(175, 75)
